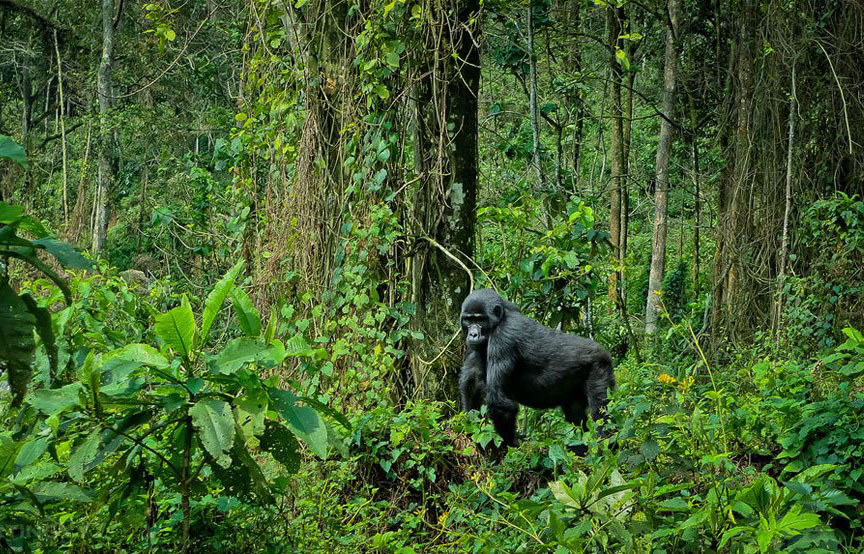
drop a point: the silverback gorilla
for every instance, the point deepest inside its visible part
(512, 359)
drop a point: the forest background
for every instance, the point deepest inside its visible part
(679, 180)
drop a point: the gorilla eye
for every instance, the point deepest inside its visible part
(497, 310)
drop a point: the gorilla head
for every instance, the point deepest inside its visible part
(481, 313)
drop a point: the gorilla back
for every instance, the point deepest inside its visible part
(512, 359)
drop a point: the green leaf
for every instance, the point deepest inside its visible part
(177, 328)
(216, 299)
(123, 361)
(303, 421)
(64, 253)
(11, 150)
(52, 491)
(30, 452)
(237, 352)
(243, 479)
(214, 422)
(381, 91)
(16, 341)
(54, 401)
(84, 455)
(281, 444)
(247, 315)
(392, 59)
(8, 454)
(649, 449)
(249, 412)
(44, 329)
(10, 213)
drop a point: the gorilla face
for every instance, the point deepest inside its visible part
(481, 313)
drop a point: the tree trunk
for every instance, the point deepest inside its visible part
(784, 245)
(661, 193)
(575, 99)
(616, 150)
(104, 88)
(532, 99)
(445, 203)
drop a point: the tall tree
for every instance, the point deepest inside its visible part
(661, 192)
(104, 87)
(616, 140)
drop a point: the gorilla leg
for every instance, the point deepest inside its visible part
(472, 386)
(599, 381)
(504, 417)
(576, 411)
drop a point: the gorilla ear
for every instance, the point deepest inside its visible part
(498, 311)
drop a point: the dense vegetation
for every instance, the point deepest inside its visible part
(235, 234)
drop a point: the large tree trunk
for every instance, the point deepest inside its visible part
(104, 88)
(661, 193)
(445, 204)
(733, 194)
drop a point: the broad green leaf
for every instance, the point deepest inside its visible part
(30, 452)
(249, 412)
(649, 449)
(177, 328)
(563, 494)
(216, 299)
(54, 401)
(303, 421)
(120, 363)
(16, 341)
(64, 253)
(10, 213)
(8, 454)
(242, 479)
(214, 423)
(84, 455)
(247, 315)
(281, 444)
(51, 491)
(11, 150)
(44, 329)
(237, 352)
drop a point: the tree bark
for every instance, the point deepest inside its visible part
(784, 245)
(532, 99)
(661, 193)
(104, 86)
(616, 150)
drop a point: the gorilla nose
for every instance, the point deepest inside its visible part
(473, 335)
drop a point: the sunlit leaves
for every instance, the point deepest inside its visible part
(177, 328)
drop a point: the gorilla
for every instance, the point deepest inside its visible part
(511, 359)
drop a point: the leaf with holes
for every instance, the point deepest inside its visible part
(214, 422)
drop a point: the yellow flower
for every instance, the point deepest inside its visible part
(666, 379)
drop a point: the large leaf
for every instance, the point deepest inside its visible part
(52, 491)
(84, 455)
(247, 315)
(237, 352)
(249, 411)
(10, 213)
(303, 421)
(244, 478)
(214, 422)
(54, 401)
(281, 444)
(65, 253)
(45, 330)
(216, 298)
(8, 454)
(177, 328)
(16, 341)
(11, 150)
(118, 364)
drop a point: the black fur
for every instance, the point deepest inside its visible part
(511, 359)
